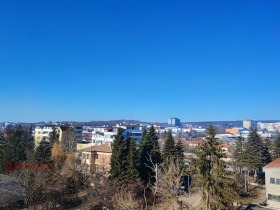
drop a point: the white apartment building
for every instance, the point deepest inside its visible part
(134, 130)
(269, 126)
(247, 124)
(103, 135)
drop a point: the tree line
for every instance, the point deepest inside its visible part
(130, 163)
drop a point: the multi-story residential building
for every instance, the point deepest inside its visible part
(135, 130)
(174, 122)
(103, 135)
(79, 133)
(269, 126)
(247, 124)
(272, 183)
(97, 158)
(42, 132)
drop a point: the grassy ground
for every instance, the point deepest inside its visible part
(257, 195)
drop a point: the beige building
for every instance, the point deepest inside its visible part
(97, 158)
(272, 183)
(44, 132)
(247, 124)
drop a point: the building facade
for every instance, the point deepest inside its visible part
(272, 183)
(97, 158)
(42, 132)
(174, 122)
(247, 124)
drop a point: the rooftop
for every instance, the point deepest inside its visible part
(99, 148)
(274, 164)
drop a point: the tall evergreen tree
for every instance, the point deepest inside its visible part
(118, 158)
(179, 153)
(131, 169)
(256, 153)
(43, 152)
(239, 152)
(267, 151)
(17, 145)
(211, 176)
(53, 136)
(149, 155)
(168, 153)
(276, 147)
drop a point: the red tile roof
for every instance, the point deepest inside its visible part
(99, 148)
(274, 164)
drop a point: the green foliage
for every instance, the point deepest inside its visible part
(53, 136)
(239, 151)
(211, 176)
(179, 153)
(16, 145)
(131, 167)
(168, 153)
(43, 152)
(118, 158)
(256, 153)
(276, 147)
(149, 155)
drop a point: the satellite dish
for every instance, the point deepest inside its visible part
(187, 165)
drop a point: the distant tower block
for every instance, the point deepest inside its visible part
(247, 123)
(174, 122)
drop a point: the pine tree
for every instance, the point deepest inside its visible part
(266, 152)
(149, 155)
(256, 154)
(43, 152)
(118, 158)
(131, 169)
(17, 145)
(168, 153)
(239, 152)
(212, 178)
(276, 147)
(179, 153)
(53, 136)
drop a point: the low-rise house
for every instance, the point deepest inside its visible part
(97, 158)
(272, 183)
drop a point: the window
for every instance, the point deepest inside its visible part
(87, 156)
(278, 181)
(274, 197)
(96, 156)
(272, 180)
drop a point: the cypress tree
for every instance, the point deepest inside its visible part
(118, 157)
(276, 147)
(211, 177)
(168, 153)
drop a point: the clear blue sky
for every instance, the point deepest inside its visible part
(147, 60)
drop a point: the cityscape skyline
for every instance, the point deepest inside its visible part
(200, 61)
